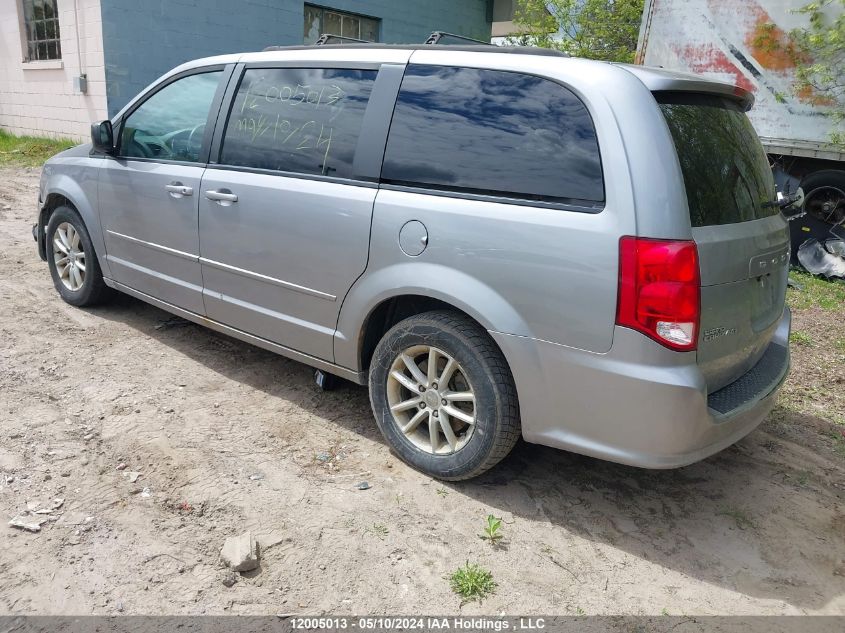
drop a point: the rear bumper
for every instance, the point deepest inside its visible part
(640, 403)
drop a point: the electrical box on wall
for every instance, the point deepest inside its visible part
(80, 84)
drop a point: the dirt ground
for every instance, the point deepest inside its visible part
(227, 438)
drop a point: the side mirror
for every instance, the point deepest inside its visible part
(102, 136)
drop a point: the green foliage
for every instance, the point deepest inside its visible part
(741, 518)
(820, 57)
(472, 582)
(818, 53)
(29, 151)
(801, 338)
(826, 294)
(378, 530)
(492, 530)
(595, 29)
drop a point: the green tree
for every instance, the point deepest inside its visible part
(596, 29)
(820, 60)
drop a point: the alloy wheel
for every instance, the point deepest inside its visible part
(69, 256)
(431, 400)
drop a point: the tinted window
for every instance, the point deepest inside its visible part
(492, 132)
(170, 124)
(726, 173)
(303, 120)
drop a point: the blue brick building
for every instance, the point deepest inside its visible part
(142, 40)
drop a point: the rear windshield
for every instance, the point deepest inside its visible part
(726, 173)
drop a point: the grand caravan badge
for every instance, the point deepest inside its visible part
(718, 332)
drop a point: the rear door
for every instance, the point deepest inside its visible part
(284, 217)
(742, 238)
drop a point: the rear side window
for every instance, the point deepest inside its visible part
(303, 120)
(494, 133)
(726, 173)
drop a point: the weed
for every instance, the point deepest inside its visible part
(442, 492)
(741, 518)
(838, 438)
(378, 530)
(492, 530)
(802, 478)
(664, 611)
(472, 582)
(801, 338)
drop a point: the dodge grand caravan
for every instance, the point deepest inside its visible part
(499, 242)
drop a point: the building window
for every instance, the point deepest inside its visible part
(41, 19)
(320, 21)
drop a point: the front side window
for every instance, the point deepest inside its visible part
(320, 21)
(493, 133)
(170, 125)
(302, 120)
(41, 19)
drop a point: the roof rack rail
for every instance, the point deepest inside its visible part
(328, 38)
(438, 37)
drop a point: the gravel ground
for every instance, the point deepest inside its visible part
(228, 438)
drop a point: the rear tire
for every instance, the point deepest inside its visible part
(456, 428)
(73, 263)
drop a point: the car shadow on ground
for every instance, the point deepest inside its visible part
(755, 519)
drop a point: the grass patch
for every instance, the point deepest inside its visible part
(741, 518)
(801, 338)
(472, 582)
(838, 442)
(29, 151)
(815, 291)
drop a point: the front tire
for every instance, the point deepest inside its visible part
(443, 395)
(73, 263)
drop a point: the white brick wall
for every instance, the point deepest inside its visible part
(41, 100)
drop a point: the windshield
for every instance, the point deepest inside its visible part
(726, 173)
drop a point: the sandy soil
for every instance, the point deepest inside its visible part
(229, 438)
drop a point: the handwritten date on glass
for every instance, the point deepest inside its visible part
(290, 95)
(282, 133)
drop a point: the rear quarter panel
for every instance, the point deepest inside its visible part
(549, 274)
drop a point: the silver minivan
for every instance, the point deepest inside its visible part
(500, 242)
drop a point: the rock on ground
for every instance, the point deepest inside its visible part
(240, 553)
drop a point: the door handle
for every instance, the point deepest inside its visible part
(177, 190)
(221, 196)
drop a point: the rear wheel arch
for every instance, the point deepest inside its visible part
(394, 309)
(388, 313)
(434, 287)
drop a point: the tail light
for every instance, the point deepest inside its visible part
(659, 290)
